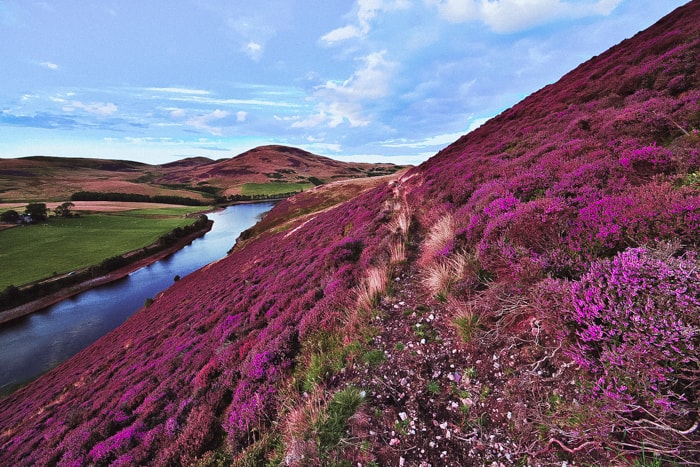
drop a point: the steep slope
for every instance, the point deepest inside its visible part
(528, 296)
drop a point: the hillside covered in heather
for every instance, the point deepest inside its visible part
(528, 296)
(272, 169)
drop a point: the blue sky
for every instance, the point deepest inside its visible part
(370, 80)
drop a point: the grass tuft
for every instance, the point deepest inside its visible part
(466, 320)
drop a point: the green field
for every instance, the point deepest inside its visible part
(273, 188)
(34, 252)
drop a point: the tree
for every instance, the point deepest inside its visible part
(37, 211)
(64, 210)
(10, 216)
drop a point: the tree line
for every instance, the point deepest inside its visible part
(36, 212)
(136, 198)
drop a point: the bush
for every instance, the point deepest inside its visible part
(637, 330)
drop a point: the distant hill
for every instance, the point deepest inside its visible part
(56, 178)
(269, 164)
(528, 296)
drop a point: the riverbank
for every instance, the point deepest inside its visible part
(70, 291)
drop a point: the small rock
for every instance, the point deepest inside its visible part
(403, 416)
(402, 461)
(394, 442)
(443, 425)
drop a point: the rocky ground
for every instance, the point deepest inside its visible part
(434, 400)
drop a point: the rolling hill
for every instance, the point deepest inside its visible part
(528, 296)
(57, 178)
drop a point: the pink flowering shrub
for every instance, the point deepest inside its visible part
(576, 174)
(648, 160)
(637, 330)
(641, 216)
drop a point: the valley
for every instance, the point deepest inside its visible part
(527, 296)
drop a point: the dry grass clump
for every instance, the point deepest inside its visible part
(367, 295)
(401, 223)
(397, 252)
(437, 239)
(372, 287)
(439, 277)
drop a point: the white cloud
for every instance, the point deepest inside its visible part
(437, 140)
(176, 90)
(318, 147)
(341, 34)
(97, 108)
(506, 16)
(366, 12)
(339, 102)
(369, 82)
(49, 65)
(241, 116)
(177, 113)
(254, 50)
(202, 122)
(456, 11)
(236, 102)
(251, 26)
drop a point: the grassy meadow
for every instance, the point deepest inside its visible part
(252, 189)
(61, 245)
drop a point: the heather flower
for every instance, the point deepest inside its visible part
(651, 159)
(637, 318)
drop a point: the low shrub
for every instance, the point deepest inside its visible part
(636, 324)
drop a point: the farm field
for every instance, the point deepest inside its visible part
(34, 252)
(252, 189)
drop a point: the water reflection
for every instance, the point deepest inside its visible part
(31, 345)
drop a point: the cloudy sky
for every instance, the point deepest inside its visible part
(373, 80)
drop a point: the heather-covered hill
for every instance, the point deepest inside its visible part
(57, 178)
(279, 164)
(529, 296)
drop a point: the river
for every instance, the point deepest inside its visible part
(34, 344)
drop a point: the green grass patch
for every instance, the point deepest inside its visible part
(251, 189)
(328, 356)
(35, 252)
(332, 427)
(158, 212)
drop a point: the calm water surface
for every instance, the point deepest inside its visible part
(31, 345)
